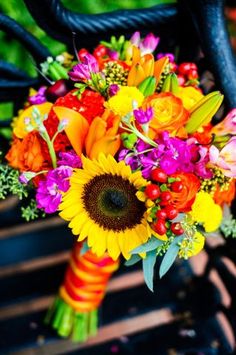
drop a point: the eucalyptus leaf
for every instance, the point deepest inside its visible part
(133, 260)
(179, 218)
(84, 248)
(170, 256)
(148, 268)
(153, 243)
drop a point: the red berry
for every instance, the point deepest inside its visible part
(184, 68)
(171, 212)
(58, 89)
(165, 197)
(176, 228)
(158, 175)
(177, 186)
(152, 191)
(161, 214)
(82, 53)
(100, 51)
(160, 227)
(193, 74)
(181, 79)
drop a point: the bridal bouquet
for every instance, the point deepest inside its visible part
(120, 144)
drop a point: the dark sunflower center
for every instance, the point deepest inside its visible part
(111, 202)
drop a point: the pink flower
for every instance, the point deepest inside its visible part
(227, 126)
(135, 39)
(149, 44)
(82, 71)
(226, 158)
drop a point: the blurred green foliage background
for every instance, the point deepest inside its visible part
(12, 51)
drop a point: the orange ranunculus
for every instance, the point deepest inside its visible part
(169, 113)
(29, 153)
(225, 196)
(184, 199)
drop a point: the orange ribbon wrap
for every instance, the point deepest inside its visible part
(86, 279)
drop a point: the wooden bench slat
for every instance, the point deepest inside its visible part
(31, 227)
(106, 333)
(123, 282)
(37, 263)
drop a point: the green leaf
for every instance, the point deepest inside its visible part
(164, 187)
(170, 257)
(133, 260)
(152, 244)
(148, 268)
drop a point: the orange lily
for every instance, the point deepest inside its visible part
(100, 136)
(76, 129)
(144, 66)
(103, 135)
(141, 67)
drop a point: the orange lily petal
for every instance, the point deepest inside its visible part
(96, 131)
(159, 66)
(106, 145)
(148, 65)
(136, 75)
(76, 129)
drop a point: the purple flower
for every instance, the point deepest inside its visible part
(48, 195)
(26, 176)
(113, 89)
(114, 55)
(69, 158)
(169, 55)
(82, 71)
(39, 97)
(143, 116)
(149, 44)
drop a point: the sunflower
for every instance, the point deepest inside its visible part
(102, 206)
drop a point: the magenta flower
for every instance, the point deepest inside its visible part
(226, 158)
(114, 55)
(113, 89)
(39, 97)
(143, 116)
(169, 55)
(70, 159)
(49, 191)
(82, 71)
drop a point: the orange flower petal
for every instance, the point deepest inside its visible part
(76, 129)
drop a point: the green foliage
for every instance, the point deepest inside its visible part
(228, 227)
(31, 212)
(170, 256)
(152, 243)
(9, 183)
(148, 268)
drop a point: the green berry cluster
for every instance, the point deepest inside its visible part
(115, 74)
(164, 74)
(218, 180)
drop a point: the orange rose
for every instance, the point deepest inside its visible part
(184, 199)
(29, 153)
(169, 112)
(225, 196)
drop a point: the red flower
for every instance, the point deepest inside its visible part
(90, 105)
